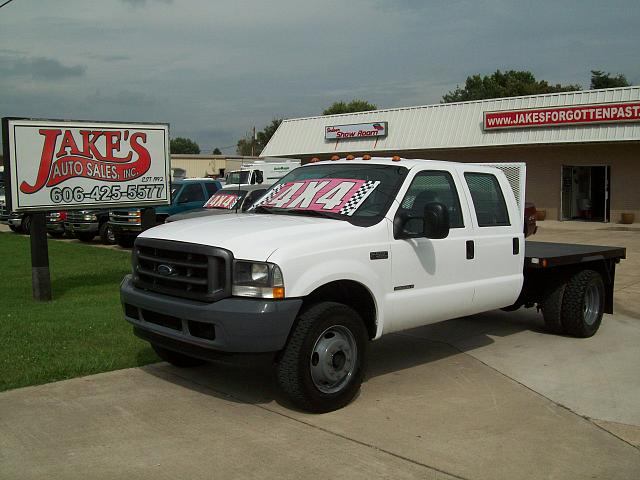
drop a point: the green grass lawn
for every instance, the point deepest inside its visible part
(82, 331)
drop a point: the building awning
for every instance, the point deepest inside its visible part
(462, 125)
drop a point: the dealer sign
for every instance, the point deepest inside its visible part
(561, 116)
(57, 165)
(358, 130)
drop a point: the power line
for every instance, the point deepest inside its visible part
(6, 3)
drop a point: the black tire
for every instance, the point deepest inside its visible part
(106, 234)
(583, 304)
(124, 241)
(14, 228)
(85, 236)
(177, 359)
(321, 328)
(552, 308)
(26, 225)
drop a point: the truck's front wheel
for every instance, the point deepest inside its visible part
(323, 363)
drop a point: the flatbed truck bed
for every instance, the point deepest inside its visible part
(549, 267)
(549, 255)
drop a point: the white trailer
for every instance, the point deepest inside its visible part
(265, 172)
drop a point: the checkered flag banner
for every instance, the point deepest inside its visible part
(269, 196)
(360, 196)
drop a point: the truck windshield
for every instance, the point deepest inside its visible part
(239, 176)
(174, 190)
(358, 193)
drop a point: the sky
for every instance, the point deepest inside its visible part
(215, 69)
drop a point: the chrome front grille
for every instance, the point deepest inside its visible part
(76, 215)
(125, 217)
(180, 269)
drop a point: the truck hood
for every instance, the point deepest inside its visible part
(254, 236)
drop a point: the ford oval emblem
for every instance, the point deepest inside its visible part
(166, 270)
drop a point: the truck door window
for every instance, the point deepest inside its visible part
(427, 187)
(191, 193)
(211, 188)
(488, 201)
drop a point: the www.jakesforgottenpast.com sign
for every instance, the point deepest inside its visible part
(68, 164)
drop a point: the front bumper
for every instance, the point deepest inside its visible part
(82, 227)
(126, 229)
(55, 227)
(238, 325)
(15, 221)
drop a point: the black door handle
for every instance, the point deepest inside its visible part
(470, 249)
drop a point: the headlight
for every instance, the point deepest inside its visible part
(257, 279)
(89, 217)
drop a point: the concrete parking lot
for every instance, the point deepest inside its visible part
(485, 397)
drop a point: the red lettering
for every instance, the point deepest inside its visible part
(50, 137)
(89, 144)
(113, 144)
(68, 142)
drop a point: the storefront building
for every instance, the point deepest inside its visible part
(582, 149)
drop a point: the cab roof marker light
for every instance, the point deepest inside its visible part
(335, 157)
(350, 157)
(366, 157)
(315, 159)
(395, 158)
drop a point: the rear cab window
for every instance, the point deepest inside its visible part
(488, 200)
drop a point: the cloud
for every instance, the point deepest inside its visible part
(142, 3)
(39, 68)
(107, 57)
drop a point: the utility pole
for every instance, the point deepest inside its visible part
(253, 142)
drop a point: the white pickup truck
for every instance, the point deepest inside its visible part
(338, 253)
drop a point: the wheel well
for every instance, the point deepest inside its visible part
(350, 293)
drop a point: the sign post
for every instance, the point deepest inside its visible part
(67, 165)
(40, 277)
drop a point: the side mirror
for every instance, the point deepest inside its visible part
(436, 221)
(259, 177)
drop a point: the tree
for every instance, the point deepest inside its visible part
(248, 145)
(508, 84)
(599, 79)
(216, 151)
(351, 107)
(184, 145)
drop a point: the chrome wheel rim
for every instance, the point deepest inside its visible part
(591, 304)
(110, 235)
(333, 359)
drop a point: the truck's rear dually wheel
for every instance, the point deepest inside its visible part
(322, 366)
(583, 304)
(575, 305)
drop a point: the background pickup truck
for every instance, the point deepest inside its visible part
(342, 252)
(86, 224)
(185, 195)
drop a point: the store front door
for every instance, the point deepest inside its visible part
(585, 192)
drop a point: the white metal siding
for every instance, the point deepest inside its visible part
(454, 125)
